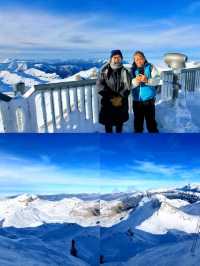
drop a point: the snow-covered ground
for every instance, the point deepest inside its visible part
(156, 232)
(31, 211)
(181, 116)
(37, 231)
(154, 227)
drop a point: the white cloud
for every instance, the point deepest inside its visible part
(149, 170)
(26, 29)
(32, 30)
(16, 171)
(155, 168)
(42, 175)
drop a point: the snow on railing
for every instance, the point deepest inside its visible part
(167, 86)
(54, 107)
(72, 106)
(190, 79)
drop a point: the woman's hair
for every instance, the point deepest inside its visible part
(141, 54)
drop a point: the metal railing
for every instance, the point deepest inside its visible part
(52, 108)
(72, 106)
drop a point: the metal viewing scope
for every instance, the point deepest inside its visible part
(176, 61)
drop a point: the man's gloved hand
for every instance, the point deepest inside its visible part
(116, 101)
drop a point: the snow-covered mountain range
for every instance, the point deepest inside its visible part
(36, 72)
(32, 72)
(124, 228)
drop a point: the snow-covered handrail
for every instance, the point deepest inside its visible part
(5, 98)
(72, 106)
(54, 107)
(190, 79)
(167, 85)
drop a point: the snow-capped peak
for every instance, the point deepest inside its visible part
(26, 198)
(168, 217)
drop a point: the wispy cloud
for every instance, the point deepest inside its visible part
(39, 31)
(148, 174)
(18, 172)
(41, 174)
(156, 168)
(35, 29)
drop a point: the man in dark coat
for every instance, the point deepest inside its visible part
(113, 84)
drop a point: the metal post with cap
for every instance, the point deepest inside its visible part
(177, 62)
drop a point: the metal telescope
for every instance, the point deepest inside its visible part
(176, 62)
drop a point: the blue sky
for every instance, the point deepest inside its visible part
(90, 29)
(44, 164)
(146, 162)
(76, 163)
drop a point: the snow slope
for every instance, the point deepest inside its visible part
(124, 228)
(36, 231)
(168, 217)
(162, 225)
(31, 211)
(48, 245)
(180, 116)
(165, 255)
(32, 252)
(87, 74)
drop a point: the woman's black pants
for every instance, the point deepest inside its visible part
(109, 128)
(144, 111)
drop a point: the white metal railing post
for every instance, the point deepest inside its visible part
(68, 103)
(60, 103)
(18, 112)
(53, 115)
(32, 114)
(82, 101)
(5, 115)
(44, 111)
(95, 105)
(60, 107)
(162, 96)
(75, 99)
(167, 87)
(88, 92)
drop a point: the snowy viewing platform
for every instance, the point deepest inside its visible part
(74, 106)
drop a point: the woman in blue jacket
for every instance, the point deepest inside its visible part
(145, 80)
